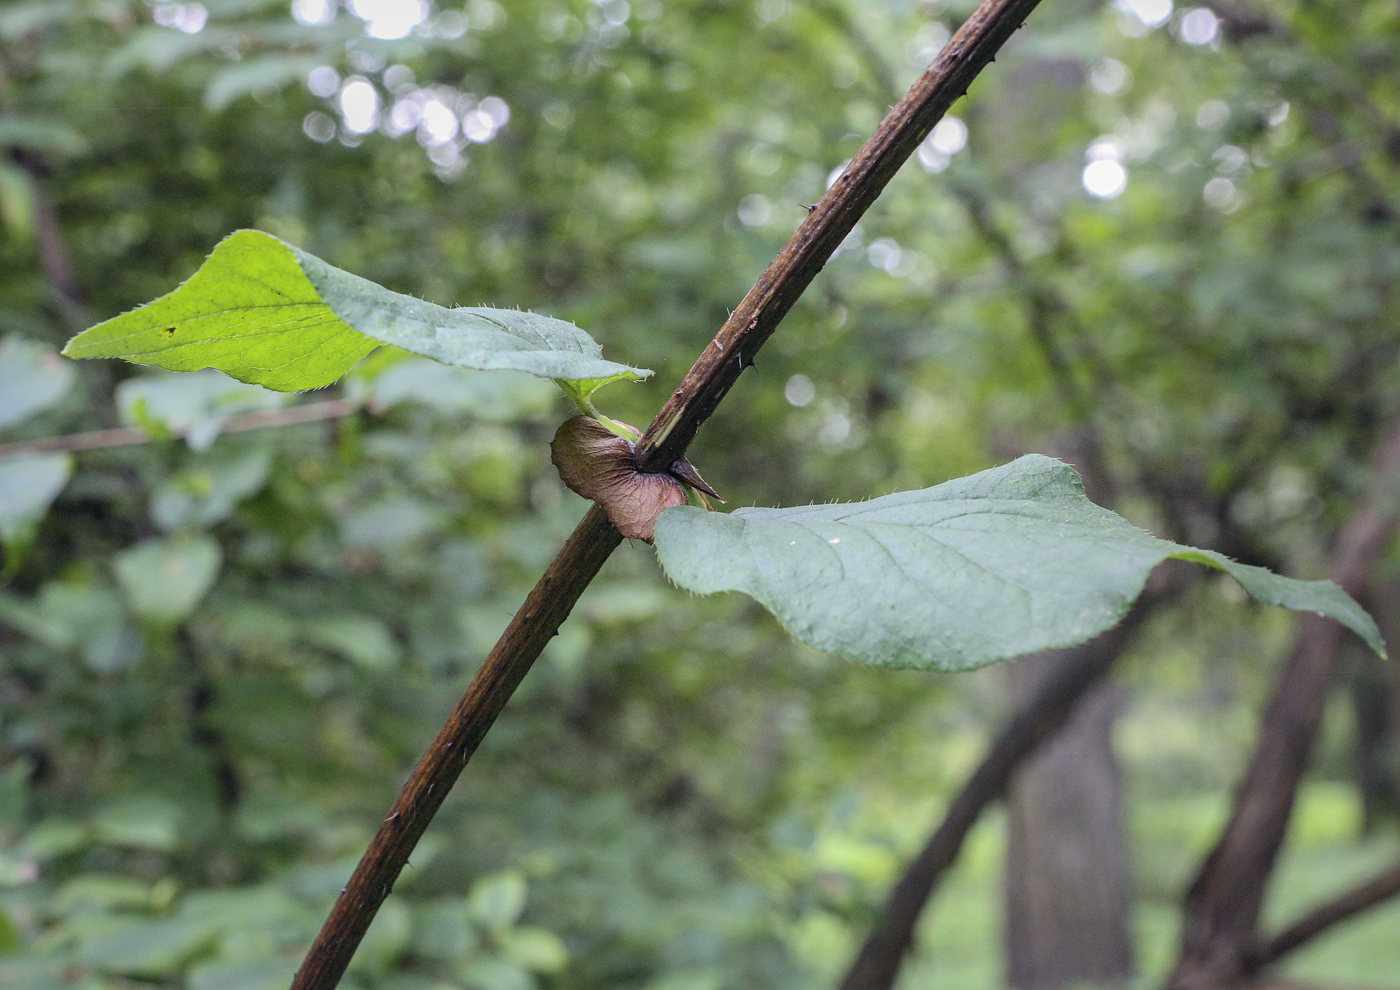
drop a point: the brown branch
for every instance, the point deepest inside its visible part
(897, 137)
(126, 436)
(1049, 708)
(1379, 888)
(971, 49)
(1223, 905)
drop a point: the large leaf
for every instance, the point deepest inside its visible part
(268, 313)
(1005, 562)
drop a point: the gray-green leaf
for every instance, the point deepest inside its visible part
(164, 579)
(1001, 563)
(32, 378)
(28, 485)
(268, 313)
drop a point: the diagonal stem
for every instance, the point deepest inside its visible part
(714, 373)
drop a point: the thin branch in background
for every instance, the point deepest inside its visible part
(126, 436)
(1378, 889)
(670, 433)
(1049, 708)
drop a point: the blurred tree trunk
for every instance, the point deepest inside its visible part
(1067, 897)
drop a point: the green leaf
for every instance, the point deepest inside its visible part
(28, 485)
(32, 378)
(362, 639)
(148, 948)
(165, 579)
(256, 77)
(535, 949)
(264, 974)
(50, 137)
(11, 941)
(499, 397)
(498, 900)
(1005, 562)
(207, 492)
(497, 974)
(196, 405)
(268, 313)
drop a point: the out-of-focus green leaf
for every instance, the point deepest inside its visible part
(443, 930)
(498, 900)
(32, 378)
(497, 974)
(51, 137)
(501, 397)
(16, 202)
(164, 579)
(256, 77)
(104, 891)
(1009, 561)
(196, 405)
(209, 490)
(387, 939)
(11, 941)
(92, 618)
(147, 947)
(28, 485)
(268, 313)
(266, 974)
(142, 822)
(362, 639)
(393, 522)
(536, 949)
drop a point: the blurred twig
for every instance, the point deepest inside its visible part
(126, 436)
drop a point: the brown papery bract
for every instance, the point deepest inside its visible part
(599, 465)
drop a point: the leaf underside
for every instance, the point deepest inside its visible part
(265, 312)
(1005, 562)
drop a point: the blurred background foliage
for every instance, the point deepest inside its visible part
(219, 656)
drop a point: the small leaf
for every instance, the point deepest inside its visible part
(256, 77)
(196, 405)
(223, 974)
(165, 579)
(498, 900)
(268, 313)
(535, 949)
(48, 137)
(210, 489)
(149, 948)
(362, 639)
(1009, 561)
(497, 974)
(28, 485)
(499, 397)
(32, 378)
(11, 941)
